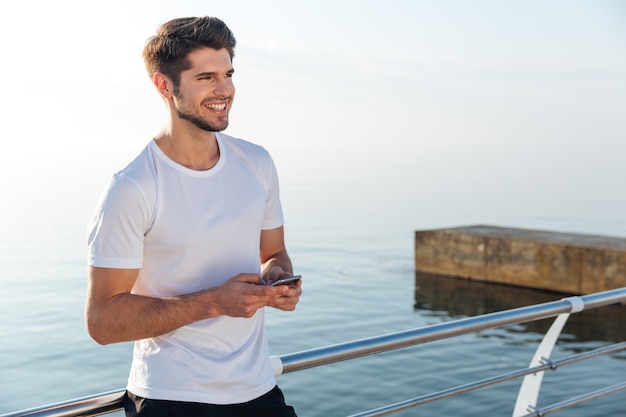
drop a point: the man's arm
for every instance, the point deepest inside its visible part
(275, 264)
(113, 314)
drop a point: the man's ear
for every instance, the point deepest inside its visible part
(163, 85)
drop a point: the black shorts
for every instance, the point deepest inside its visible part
(271, 404)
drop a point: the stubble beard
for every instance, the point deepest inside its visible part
(198, 121)
(201, 123)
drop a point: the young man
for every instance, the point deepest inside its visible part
(185, 241)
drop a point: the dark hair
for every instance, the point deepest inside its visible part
(167, 51)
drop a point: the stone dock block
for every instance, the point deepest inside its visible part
(564, 262)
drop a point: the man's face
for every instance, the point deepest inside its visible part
(205, 93)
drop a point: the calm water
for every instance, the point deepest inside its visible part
(351, 239)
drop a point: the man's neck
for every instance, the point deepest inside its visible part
(193, 149)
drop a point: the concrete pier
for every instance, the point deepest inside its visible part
(564, 262)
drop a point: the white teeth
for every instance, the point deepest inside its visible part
(217, 106)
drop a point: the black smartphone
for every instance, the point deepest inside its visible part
(286, 280)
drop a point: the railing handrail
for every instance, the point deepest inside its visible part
(349, 350)
(112, 401)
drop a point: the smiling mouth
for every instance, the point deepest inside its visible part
(218, 107)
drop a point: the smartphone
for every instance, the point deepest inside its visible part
(287, 280)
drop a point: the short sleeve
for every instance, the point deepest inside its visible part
(117, 229)
(273, 216)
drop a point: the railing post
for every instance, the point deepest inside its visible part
(529, 390)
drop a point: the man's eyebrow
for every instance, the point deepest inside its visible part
(212, 73)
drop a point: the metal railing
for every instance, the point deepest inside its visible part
(112, 401)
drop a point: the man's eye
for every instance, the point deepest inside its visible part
(229, 75)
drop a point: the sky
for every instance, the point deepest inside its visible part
(475, 94)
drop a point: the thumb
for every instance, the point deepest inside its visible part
(249, 278)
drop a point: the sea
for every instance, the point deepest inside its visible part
(351, 236)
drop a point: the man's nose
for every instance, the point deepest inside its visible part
(224, 87)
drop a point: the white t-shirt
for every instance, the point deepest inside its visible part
(189, 230)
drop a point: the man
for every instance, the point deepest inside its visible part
(185, 242)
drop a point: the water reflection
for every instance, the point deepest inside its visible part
(437, 296)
